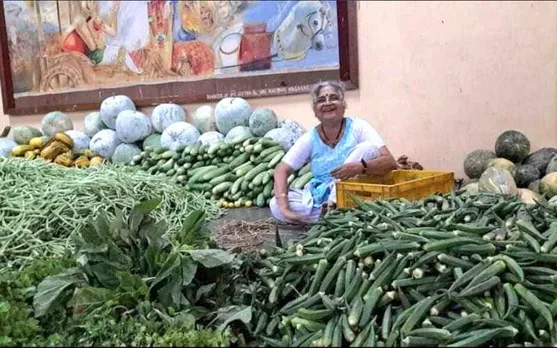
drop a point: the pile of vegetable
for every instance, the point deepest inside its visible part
(43, 204)
(454, 270)
(128, 282)
(512, 169)
(237, 172)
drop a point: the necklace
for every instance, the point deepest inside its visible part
(335, 142)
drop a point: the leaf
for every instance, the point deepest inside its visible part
(102, 226)
(211, 257)
(154, 232)
(146, 207)
(51, 290)
(136, 217)
(171, 293)
(117, 223)
(204, 290)
(172, 263)
(89, 297)
(190, 232)
(189, 268)
(243, 314)
(129, 282)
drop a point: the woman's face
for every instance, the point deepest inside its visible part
(329, 104)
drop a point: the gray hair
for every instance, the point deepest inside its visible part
(316, 89)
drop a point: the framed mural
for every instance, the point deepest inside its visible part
(70, 55)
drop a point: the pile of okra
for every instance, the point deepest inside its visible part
(449, 270)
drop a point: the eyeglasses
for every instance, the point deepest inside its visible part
(331, 98)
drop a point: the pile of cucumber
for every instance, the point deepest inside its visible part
(452, 270)
(237, 174)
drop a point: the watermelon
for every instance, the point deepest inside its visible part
(153, 140)
(292, 126)
(6, 146)
(112, 106)
(55, 122)
(105, 142)
(124, 153)
(204, 119)
(166, 114)
(497, 180)
(230, 113)
(80, 140)
(526, 174)
(541, 158)
(502, 163)
(512, 145)
(283, 136)
(552, 166)
(548, 185)
(93, 124)
(179, 135)
(210, 138)
(22, 134)
(476, 162)
(132, 126)
(262, 120)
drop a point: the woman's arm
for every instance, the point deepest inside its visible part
(382, 164)
(282, 171)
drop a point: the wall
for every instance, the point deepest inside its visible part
(439, 79)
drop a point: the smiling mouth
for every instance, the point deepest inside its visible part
(328, 108)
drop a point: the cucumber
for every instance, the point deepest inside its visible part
(236, 186)
(267, 190)
(276, 159)
(267, 142)
(256, 170)
(167, 165)
(258, 180)
(214, 148)
(237, 161)
(244, 169)
(198, 176)
(305, 169)
(268, 177)
(222, 178)
(222, 187)
(270, 151)
(215, 173)
(260, 201)
(199, 187)
(303, 180)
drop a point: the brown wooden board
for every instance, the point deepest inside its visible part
(182, 92)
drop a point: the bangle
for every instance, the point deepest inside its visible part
(364, 170)
(280, 195)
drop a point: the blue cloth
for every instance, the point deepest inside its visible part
(325, 159)
(178, 33)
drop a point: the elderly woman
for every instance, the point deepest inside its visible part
(338, 148)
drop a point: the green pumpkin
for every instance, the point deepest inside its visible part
(476, 162)
(512, 145)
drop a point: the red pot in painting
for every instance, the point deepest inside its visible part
(255, 48)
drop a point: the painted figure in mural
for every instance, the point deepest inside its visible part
(292, 27)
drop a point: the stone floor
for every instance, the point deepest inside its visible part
(286, 232)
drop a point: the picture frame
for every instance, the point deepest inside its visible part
(178, 91)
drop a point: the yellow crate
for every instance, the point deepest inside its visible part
(409, 184)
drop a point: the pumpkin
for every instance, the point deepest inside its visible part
(552, 165)
(512, 145)
(104, 143)
(179, 135)
(166, 114)
(238, 134)
(526, 174)
(111, 107)
(210, 138)
(230, 113)
(6, 144)
(472, 188)
(502, 163)
(528, 196)
(204, 119)
(93, 124)
(541, 158)
(535, 186)
(548, 185)
(124, 153)
(475, 162)
(80, 140)
(22, 134)
(153, 140)
(55, 122)
(497, 180)
(132, 126)
(262, 120)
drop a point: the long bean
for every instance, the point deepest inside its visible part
(43, 204)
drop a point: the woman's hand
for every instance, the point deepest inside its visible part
(295, 218)
(347, 171)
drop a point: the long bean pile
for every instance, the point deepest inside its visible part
(450, 270)
(42, 204)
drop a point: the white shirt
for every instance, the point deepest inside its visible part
(300, 153)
